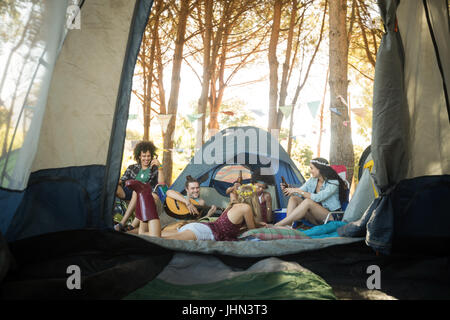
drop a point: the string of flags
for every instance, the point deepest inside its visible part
(286, 110)
(313, 107)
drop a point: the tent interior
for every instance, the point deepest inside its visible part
(63, 159)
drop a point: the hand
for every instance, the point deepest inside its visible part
(266, 225)
(283, 186)
(284, 189)
(155, 162)
(236, 185)
(290, 191)
(192, 209)
(211, 211)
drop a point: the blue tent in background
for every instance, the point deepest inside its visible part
(251, 150)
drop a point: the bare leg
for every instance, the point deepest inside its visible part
(130, 208)
(150, 228)
(120, 193)
(184, 235)
(317, 213)
(168, 233)
(294, 201)
(135, 223)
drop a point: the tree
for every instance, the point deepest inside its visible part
(203, 101)
(230, 37)
(174, 90)
(273, 67)
(341, 145)
(303, 77)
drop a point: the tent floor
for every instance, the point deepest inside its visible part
(402, 276)
(115, 264)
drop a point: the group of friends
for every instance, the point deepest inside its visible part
(250, 204)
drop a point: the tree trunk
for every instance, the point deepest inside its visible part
(273, 67)
(341, 146)
(322, 105)
(215, 107)
(147, 77)
(203, 101)
(301, 83)
(287, 62)
(174, 91)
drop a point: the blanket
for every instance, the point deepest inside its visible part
(196, 277)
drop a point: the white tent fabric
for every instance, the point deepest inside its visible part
(27, 63)
(362, 198)
(429, 134)
(84, 88)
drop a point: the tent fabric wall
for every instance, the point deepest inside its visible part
(57, 200)
(410, 131)
(83, 92)
(32, 53)
(119, 125)
(429, 133)
(32, 62)
(85, 122)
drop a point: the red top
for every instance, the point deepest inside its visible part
(223, 229)
(263, 210)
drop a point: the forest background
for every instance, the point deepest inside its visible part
(304, 67)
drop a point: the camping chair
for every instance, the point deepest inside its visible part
(342, 172)
(161, 190)
(339, 212)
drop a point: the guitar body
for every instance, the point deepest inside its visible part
(179, 210)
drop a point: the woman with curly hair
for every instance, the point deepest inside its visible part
(322, 193)
(147, 170)
(242, 213)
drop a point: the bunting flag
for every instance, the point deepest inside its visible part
(313, 107)
(286, 110)
(194, 116)
(360, 112)
(228, 113)
(345, 123)
(343, 100)
(257, 112)
(335, 110)
(164, 121)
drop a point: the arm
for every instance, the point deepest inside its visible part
(268, 199)
(331, 189)
(127, 175)
(233, 188)
(155, 162)
(178, 196)
(249, 219)
(301, 191)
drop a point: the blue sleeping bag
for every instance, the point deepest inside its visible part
(325, 230)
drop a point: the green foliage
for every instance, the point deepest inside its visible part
(302, 155)
(240, 116)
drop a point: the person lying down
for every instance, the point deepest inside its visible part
(241, 214)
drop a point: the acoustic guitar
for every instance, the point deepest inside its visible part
(179, 210)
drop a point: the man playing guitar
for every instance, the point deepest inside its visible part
(192, 188)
